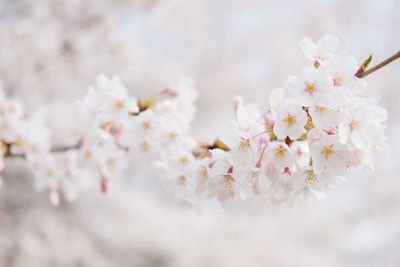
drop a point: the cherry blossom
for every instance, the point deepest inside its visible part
(317, 131)
(324, 49)
(290, 122)
(329, 155)
(324, 117)
(109, 100)
(312, 88)
(307, 186)
(363, 126)
(279, 155)
(342, 69)
(278, 100)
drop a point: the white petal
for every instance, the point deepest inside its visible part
(328, 43)
(309, 48)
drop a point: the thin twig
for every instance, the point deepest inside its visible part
(362, 74)
(55, 149)
(58, 149)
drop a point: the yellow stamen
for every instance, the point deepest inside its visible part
(328, 151)
(321, 109)
(354, 125)
(311, 178)
(184, 160)
(244, 145)
(227, 181)
(310, 88)
(119, 104)
(19, 142)
(204, 173)
(253, 177)
(88, 153)
(290, 120)
(280, 152)
(146, 125)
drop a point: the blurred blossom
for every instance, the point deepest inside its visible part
(52, 50)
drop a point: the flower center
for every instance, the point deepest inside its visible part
(145, 146)
(311, 178)
(88, 153)
(203, 173)
(146, 125)
(328, 151)
(244, 145)
(321, 109)
(280, 152)
(19, 142)
(338, 80)
(290, 120)
(119, 104)
(354, 125)
(50, 172)
(253, 177)
(227, 181)
(172, 136)
(111, 162)
(181, 180)
(310, 88)
(184, 160)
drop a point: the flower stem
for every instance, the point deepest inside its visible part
(364, 73)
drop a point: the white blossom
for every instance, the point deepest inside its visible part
(324, 117)
(290, 122)
(278, 155)
(253, 180)
(243, 147)
(324, 49)
(307, 186)
(363, 126)
(278, 100)
(109, 100)
(248, 116)
(313, 87)
(329, 155)
(342, 70)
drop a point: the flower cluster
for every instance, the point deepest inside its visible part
(316, 133)
(22, 134)
(25, 135)
(122, 129)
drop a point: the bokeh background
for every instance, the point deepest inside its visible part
(51, 50)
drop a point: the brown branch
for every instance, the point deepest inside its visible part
(361, 73)
(55, 149)
(59, 149)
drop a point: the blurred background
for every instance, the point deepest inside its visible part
(51, 50)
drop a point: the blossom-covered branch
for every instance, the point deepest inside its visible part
(317, 131)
